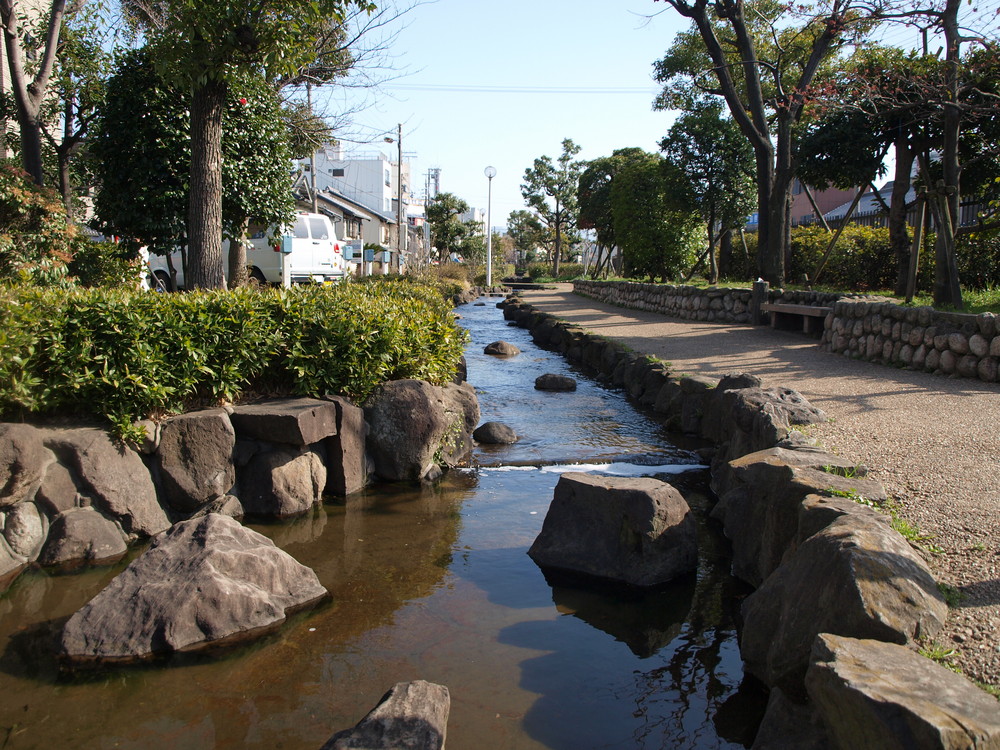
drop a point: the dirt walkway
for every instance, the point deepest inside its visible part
(933, 442)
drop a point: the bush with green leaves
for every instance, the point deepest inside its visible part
(122, 355)
(36, 243)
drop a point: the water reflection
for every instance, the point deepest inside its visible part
(429, 582)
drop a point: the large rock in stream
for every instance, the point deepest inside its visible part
(416, 427)
(204, 582)
(411, 716)
(635, 530)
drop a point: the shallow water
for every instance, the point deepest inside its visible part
(432, 583)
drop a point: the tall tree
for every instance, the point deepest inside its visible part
(142, 157)
(655, 225)
(763, 67)
(31, 88)
(718, 162)
(202, 45)
(528, 234)
(449, 234)
(550, 189)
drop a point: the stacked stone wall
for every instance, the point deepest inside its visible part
(918, 338)
(860, 326)
(840, 595)
(714, 305)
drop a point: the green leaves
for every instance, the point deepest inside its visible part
(125, 355)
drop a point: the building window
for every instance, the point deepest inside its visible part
(388, 179)
(336, 172)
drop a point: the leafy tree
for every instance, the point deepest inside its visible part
(449, 234)
(141, 151)
(594, 195)
(83, 65)
(142, 155)
(891, 98)
(846, 143)
(203, 46)
(550, 189)
(654, 224)
(29, 80)
(763, 66)
(527, 234)
(718, 162)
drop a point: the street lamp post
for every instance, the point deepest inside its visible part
(490, 173)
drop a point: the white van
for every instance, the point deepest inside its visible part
(309, 251)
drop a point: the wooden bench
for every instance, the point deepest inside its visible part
(811, 316)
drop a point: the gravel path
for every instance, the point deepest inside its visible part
(932, 442)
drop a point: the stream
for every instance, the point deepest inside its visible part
(433, 582)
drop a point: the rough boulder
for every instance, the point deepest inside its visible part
(204, 582)
(637, 531)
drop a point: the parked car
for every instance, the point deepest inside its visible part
(309, 251)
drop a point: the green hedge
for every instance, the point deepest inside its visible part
(567, 271)
(124, 355)
(862, 260)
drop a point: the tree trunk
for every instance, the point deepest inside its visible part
(899, 235)
(205, 207)
(558, 222)
(713, 263)
(726, 253)
(28, 98)
(238, 275)
(947, 290)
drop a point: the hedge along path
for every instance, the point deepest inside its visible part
(932, 442)
(125, 355)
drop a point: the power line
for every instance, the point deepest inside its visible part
(475, 89)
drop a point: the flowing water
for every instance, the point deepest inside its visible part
(431, 583)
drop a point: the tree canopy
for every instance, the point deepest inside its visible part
(550, 188)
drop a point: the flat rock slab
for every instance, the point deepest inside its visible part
(298, 421)
(635, 530)
(204, 582)
(552, 382)
(875, 694)
(411, 716)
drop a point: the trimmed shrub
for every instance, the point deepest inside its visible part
(125, 355)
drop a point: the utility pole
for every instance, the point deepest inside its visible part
(312, 157)
(400, 230)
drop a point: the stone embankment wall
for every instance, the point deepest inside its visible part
(712, 305)
(841, 598)
(70, 497)
(919, 338)
(859, 326)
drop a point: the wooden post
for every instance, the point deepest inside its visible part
(758, 298)
(918, 239)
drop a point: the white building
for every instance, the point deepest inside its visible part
(368, 179)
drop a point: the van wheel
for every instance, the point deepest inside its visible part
(257, 277)
(159, 281)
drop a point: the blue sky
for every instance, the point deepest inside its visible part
(501, 83)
